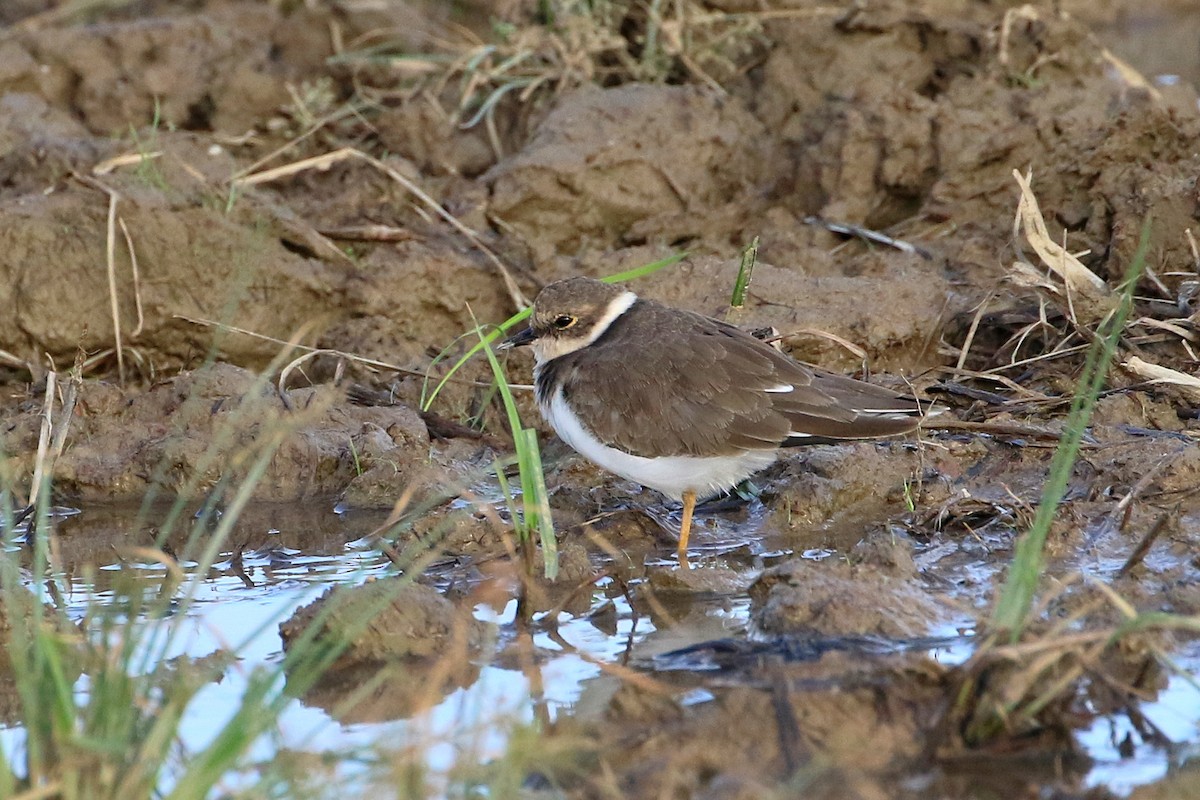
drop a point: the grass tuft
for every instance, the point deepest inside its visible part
(1011, 613)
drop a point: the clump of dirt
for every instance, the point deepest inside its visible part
(603, 166)
(837, 599)
(386, 620)
(747, 739)
(408, 639)
(812, 303)
(217, 69)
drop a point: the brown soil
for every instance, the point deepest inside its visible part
(124, 130)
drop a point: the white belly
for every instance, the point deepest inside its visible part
(671, 475)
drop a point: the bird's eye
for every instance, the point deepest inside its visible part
(564, 321)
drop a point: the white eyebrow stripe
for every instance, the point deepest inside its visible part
(782, 388)
(616, 307)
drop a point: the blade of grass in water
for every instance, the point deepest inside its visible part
(536, 507)
(533, 484)
(1016, 596)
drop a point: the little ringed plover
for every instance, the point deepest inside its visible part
(682, 403)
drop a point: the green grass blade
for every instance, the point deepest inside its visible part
(485, 342)
(510, 403)
(645, 269)
(540, 516)
(535, 505)
(745, 272)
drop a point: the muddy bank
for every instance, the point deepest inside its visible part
(901, 113)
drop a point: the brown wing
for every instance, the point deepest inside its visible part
(667, 382)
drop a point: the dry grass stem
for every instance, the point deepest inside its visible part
(41, 466)
(1003, 380)
(313, 351)
(65, 416)
(42, 792)
(1130, 76)
(1067, 351)
(137, 281)
(13, 360)
(966, 347)
(1081, 292)
(1188, 385)
(848, 345)
(1170, 327)
(109, 165)
(110, 257)
(110, 262)
(618, 671)
(368, 233)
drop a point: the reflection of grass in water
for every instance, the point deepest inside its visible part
(120, 737)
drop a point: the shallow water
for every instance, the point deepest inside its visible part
(238, 605)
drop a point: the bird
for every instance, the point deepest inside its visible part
(682, 403)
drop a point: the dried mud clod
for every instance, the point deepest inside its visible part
(203, 429)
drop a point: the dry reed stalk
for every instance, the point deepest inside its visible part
(110, 262)
(314, 351)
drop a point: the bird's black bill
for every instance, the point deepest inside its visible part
(517, 340)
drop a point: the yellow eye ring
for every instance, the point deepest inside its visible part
(564, 321)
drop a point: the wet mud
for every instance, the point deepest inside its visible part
(155, 271)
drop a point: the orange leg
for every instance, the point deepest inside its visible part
(685, 527)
